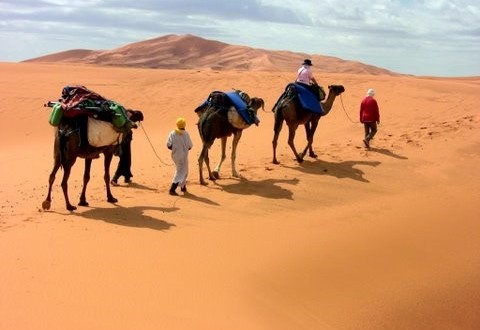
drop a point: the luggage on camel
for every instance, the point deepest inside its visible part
(98, 121)
(80, 101)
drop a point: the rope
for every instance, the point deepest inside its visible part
(344, 110)
(161, 161)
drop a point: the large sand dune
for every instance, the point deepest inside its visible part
(382, 239)
(192, 52)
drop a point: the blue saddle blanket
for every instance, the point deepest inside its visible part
(307, 99)
(241, 106)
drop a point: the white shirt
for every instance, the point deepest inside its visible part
(180, 144)
(305, 74)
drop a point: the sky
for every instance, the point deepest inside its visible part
(419, 37)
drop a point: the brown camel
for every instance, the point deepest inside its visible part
(69, 145)
(219, 119)
(288, 109)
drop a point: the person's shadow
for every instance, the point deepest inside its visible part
(386, 152)
(136, 186)
(189, 195)
(128, 216)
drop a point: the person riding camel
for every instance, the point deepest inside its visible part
(305, 77)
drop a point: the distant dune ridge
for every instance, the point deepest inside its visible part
(192, 52)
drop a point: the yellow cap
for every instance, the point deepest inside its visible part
(181, 123)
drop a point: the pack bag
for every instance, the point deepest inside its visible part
(56, 114)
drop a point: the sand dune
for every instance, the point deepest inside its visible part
(192, 52)
(382, 239)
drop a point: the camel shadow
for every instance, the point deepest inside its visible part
(137, 186)
(196, 198)
(386, 152)
(341, 170)
(267, 188)
(129, 216)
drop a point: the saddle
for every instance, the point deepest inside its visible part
(243, 114)
(306, 99)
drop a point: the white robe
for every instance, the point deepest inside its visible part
(180, 145)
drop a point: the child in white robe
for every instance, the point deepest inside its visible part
(179, 143)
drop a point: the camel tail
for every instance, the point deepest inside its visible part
(279, 101)
(202, 128)
(61, 149)
(278, 120)
(274, 109)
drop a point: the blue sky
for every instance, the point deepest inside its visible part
(425, 37)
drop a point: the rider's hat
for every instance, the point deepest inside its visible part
(307, 62)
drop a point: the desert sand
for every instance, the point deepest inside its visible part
(386, 238)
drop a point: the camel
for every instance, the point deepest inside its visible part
(219, 119)
(288, 109)
(68, 145)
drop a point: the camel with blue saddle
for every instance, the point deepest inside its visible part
(224, 114)
(299, 106)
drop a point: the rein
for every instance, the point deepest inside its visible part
(161, 161)
(344, 110)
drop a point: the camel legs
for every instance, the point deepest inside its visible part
(67, 163)
(276, 132)
(106, 177)
(48, 200)
(201, 159)
(66, 175)
(86, 179)
(216, 171)
(236, 139)
(291, 137)
(310, 128)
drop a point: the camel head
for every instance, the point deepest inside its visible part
(135, 115)
(256, 103)
(336, 89)
(333, 92)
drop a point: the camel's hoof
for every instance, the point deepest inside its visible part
(112, 200)
(46, 205)
(83, 203)
(71, 207)
(313, 155)
(204, 183)
(215, 175)
(276, 162)
(300, 160)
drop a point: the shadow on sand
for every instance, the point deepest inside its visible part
(136, 186)
(386, 152)
(128, 216)
(341, 170)
(267, 188)
(196, 198)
